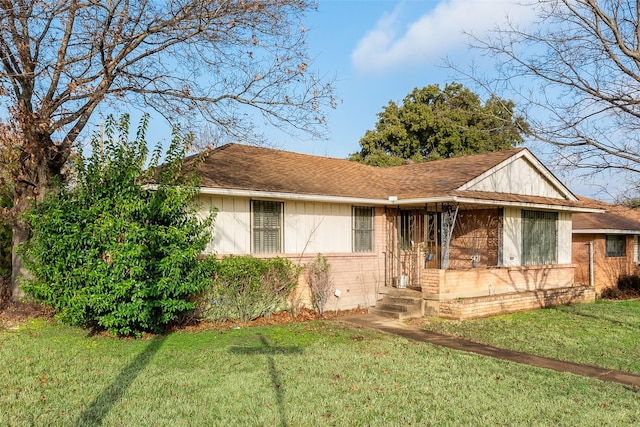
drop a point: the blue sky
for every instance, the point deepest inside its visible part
(380, 50)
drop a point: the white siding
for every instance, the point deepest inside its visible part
(517, 177)
(231, 226)
(309, 228)
(564, 237)
(512, 237)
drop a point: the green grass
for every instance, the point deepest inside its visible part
(605, 334)
(314, 374)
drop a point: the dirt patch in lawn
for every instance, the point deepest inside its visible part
(16, 313)
(281, 318)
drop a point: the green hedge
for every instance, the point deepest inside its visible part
(245, 288)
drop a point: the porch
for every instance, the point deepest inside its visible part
(481, 292)
(479, 261)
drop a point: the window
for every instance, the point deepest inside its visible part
(362, 229)
(616, 245)
(266, 227)
(539, 237)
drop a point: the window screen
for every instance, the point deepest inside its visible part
(362, 229)
(267, 226)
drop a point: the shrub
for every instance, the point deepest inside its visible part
(108, 253)
(320, 283)
(629, 283)
(245, 288)
(627, 287)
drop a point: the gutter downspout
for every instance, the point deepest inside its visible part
(591, 272)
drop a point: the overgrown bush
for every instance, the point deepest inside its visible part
(627, 287)
(630, 283)
(245, 288)
(108, 252)
(320, 283)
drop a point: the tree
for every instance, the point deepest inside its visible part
(576, 73)
(5, 243)
(434, 124)
(220, 61)
(109, 253)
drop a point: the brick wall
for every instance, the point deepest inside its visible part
(475, 282)
(475, 236)
(607, 269)
(508, 303)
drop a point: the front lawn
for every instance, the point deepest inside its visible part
(306, 374)
(605, 334)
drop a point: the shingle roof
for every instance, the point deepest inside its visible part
(244, 167)
(615, 218)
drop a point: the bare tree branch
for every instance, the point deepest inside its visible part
(576, 74)
(225, 62)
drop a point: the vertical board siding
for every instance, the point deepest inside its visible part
(230, 234)
(512, 237)
(518, 177)
(317, 227)
(308, 227)
(564, 237)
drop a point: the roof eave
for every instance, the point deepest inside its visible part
(390, 201)
(604, 231)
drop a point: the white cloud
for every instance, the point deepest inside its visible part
(432, 36)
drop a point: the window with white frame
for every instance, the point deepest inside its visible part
(539, 237)
(266, 227)
(362, 229)
(616, 245)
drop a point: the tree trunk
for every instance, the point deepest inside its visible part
(39, 168)
(18, 272)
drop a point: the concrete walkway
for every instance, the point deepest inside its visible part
(414, 333)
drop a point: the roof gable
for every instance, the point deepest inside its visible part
(441, 177)
(520, 174)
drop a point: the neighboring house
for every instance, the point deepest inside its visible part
(470, 236)
(605, 245)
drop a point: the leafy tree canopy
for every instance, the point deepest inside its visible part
(434, 124)
(109, 253)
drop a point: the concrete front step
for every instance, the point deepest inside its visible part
(404, 292)
(399, 303)
(403, 308)
(394, 314)
(402, 300)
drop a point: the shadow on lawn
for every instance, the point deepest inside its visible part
(102, 404)
(267, 349)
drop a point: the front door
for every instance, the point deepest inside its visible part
(412, 236)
